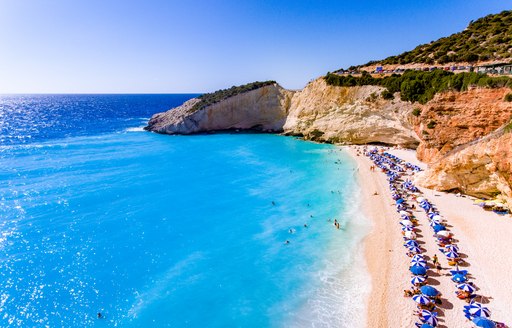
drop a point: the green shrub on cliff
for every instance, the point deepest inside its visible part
(418, 86)
(488, 38)
(508, 97)
(208, 99)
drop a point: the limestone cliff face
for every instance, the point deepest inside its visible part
(355, 115)
(452, 119)
(263, 109)
(482, 168)
(318, 112)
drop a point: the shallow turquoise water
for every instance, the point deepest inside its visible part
(170, 231)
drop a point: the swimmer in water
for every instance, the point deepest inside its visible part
(100, 316)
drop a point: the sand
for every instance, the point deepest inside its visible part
(484, 241)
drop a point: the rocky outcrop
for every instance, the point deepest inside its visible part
(482, 168)
(263, 109)
(355, 115)
(452, 119)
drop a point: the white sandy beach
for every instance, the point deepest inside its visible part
(482, 236)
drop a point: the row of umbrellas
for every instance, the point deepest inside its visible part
(419, 265)
(476, 311)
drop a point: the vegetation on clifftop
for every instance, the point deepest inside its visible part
(208, 99)
(488, 38)
(418, 86)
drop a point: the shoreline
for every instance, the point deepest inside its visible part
(388, 265)
(379, 251)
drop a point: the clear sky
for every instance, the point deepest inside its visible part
(168, 46)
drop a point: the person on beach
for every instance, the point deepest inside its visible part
(435, 260)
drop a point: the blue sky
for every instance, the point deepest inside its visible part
(157, 46)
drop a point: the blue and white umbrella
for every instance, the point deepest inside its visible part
(433, 223)
(419, 262)
(483, 322)
(414, 249)
(407, 228)
(452, 247)
(436, 217)
(411, 242)
(478, 310)
(418, 256)
(429, 318)
(418, 280)
(466, 287)
(451, 254)
(406, 223)
(421, 299)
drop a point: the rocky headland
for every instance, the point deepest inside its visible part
(458, 123)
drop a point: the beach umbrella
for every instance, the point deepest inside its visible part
(483, 322)
(433, 223)
(418, 280)
(429, 291)
(407, 228)
(466, 287)
(420, 199)
(399, 200)
(443, 233)
(478, 310)
(451, 254)
(452, 247)
(404, 213)
(430, 319)
(425, 313)
(410, 235)
(406, 223)
(439, 227)
(459, 277)
(426, 325)
(436, 217)
(414, 249)
(418, 256)
(421, 299)
(418, 270)
(419, 262)
(432, 214)
(411, 242)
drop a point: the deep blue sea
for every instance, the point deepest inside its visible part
(97, 215)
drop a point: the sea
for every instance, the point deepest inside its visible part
(103, 224)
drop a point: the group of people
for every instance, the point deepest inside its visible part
(402, 190)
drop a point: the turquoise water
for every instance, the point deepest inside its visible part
(174, 231)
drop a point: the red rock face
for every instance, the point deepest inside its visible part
(482, 168)
(455, 118)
